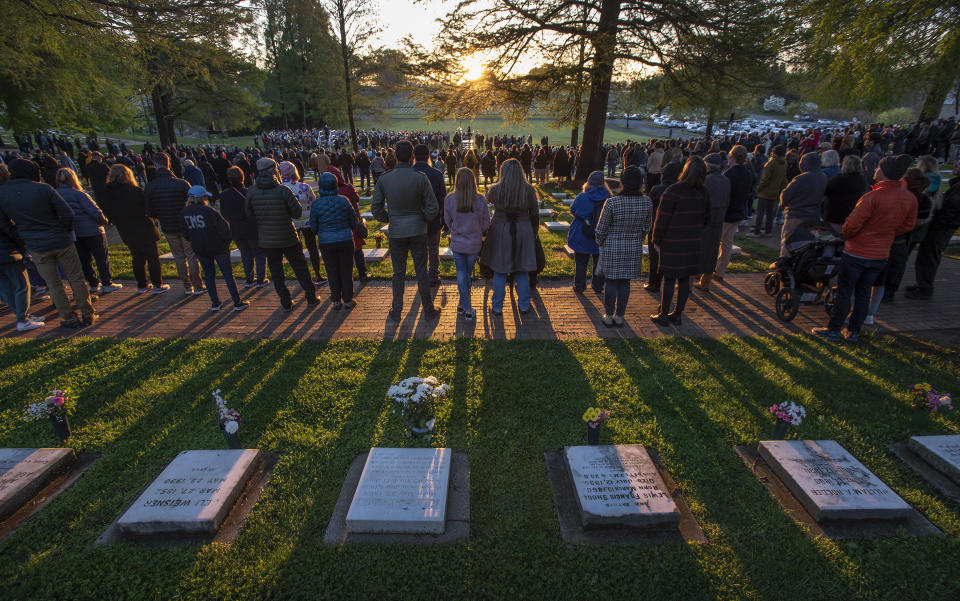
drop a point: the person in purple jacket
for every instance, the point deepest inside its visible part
(209, 234)
(467, 217)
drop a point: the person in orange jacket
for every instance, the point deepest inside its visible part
(885, 212)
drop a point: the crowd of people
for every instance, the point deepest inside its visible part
(686, 199)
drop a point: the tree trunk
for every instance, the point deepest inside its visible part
(161, 104)
(574, 136)
(347, 83)
(943, 80)
(711, 117)
(601, 75)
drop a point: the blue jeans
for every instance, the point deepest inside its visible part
(464, 263)
(522, 279)
(15, 288)
(209, 264)
(252, 255)
(856, 279)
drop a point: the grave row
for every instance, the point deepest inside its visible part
(422, 495)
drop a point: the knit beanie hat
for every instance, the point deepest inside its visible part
(288, 170)
(266, 164)
(671, 172)
(596, 179)
(24, 169)
(631, 178)
(893, 167)
(714, 161)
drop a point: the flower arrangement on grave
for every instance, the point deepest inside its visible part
(594, 416)
(787, 413)
(229, 420)
(57, 408)
(415, 401)
(926, 398)
(378, 238)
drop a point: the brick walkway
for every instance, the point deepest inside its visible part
(739, 307)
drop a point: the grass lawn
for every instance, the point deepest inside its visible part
(319, 404)
(755, 256)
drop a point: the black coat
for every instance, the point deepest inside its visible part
(682, 217)
(98, 171)
(124, 206)
(741, 187)
(166, 196)
(842, 193)
(44, 221)
(233, 209)
(206, 230)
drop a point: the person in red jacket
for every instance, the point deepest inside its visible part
(885, 212)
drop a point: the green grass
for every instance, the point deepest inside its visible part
(320, 403)
(755, 256)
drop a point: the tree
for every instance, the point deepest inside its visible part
(874, 53)
(612, 32)
(353, 25)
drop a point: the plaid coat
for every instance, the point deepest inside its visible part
(624, 222)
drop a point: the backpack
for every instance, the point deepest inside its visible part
(590, 226)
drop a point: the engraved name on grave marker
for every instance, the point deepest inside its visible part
(23, 472)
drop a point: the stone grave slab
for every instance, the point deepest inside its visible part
(559, 195)
(830, 483)
(446, 254)
(401, 491)
(942, 452)
(366, 198)
(23, 472)
(567, 202)
(385, 229)
(547, 213)
(367, 215)
(374, 255)
(192, 495)
(619, 485)
(557, 226)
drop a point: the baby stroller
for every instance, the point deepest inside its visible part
(804, 276)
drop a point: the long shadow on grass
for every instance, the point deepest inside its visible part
(748, 523)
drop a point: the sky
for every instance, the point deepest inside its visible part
(404, 17)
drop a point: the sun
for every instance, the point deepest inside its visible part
(474, 67)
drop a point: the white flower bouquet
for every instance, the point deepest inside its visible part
(414, 401)
(229, 418)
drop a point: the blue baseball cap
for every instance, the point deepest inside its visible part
(197, 192)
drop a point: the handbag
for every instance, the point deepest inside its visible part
(362, 231)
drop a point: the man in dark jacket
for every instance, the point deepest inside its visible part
(670, 173)
(98, 171)
(741, 187)
(43, 220)
(275, 207)
(945, 222)
(412, 205)
(421, 158)
(209, 235)
(165, 197)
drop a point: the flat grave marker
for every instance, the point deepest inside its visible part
(367, 215)
(546, 213)
(23, 472)
(942, 452)
(193, 495)
(374, 255)
(446, 254)
(557, 226)
(402, 491)
(619, 485)
(830, 483)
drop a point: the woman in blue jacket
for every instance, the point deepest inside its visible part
(582, 234)
(332, 220)
(91, 241)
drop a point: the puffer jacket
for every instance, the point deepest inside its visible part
(802, 198)
(44, 221)
(165, 197)
(350, 193)
(274, 207)
(88, 219)
(332, 219)
(774, 178)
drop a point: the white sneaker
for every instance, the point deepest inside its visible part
(161, 288)
(26, 326)
(111, 287)
(36, 318)
(868, 320)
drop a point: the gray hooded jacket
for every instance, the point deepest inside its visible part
(802, 197)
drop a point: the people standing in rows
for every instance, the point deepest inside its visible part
(91, 239)
(511, 239)
(582, 235)
(124, 205)
(274, 207)
(421, 163)
(209, 235)
(742, 180)
(670, 174)
(682, 216)
(802, 198)
(165, 197)
(404, 199)
(304, 195)
(772, 182)
(718, 186)
(624, 223)
(44, 222)
(943, 224)
(885, 212)
(467, 217)
(243, 229)
(333, 218)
